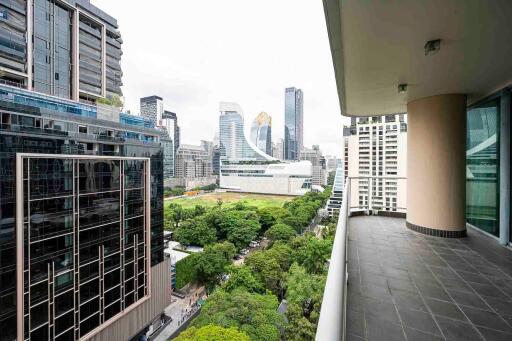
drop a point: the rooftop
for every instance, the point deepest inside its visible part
(403, 285)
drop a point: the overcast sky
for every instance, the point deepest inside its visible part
(196, 53)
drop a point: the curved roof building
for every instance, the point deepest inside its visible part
(261, 132)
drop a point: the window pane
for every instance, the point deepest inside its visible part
(482, 159)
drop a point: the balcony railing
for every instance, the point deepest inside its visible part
(332, 321)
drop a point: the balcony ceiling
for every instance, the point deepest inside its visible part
(377, 45)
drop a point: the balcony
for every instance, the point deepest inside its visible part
(388, 282)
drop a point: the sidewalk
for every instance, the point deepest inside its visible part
(180, 311)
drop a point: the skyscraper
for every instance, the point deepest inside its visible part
(38, 49)
(376, 147)
(152, 108)
(293, 123)
(261, 132)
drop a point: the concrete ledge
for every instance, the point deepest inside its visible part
(435, 232)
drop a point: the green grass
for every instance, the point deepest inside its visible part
(228, 199)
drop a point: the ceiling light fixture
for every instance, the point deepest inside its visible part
(432, 47)
(402, 88)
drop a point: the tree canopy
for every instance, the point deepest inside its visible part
(254, 314)
(212, 333)
(280, 231)
(195, 231)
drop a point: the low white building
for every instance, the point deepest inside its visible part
(292, 178)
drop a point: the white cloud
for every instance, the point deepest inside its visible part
(196, 53)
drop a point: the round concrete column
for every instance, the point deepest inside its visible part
(436, 164)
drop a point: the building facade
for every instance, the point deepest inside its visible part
(193, 166)
(152, 109)
(293, 123)
(375, 150)
(66, 49)
(75, 160)
(261, 132)
(319, 171)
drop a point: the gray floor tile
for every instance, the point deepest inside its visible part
(494, 335)
(445, 309)
(380, 310)
(383, 330)
(377, 292)
(408, 301)
(419, 320)
(352, 337)
(488, 290)
(355, 322)
(486, 319)
(468, 299)
(433, 292)
(416, 335)
(457, 330)
(503, 307)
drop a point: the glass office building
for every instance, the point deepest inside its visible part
(86, 240)
(85, 223)
(69, 49)
(261, 132)
(293, 123)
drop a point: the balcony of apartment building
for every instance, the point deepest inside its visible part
(436, 264)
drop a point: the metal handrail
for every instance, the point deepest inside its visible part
(332, 320)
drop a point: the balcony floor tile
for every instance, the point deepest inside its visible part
(404, 285)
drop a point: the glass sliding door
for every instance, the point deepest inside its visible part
(482, 166)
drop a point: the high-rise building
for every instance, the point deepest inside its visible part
(261, 132)
(293, 123)
(75, 163)
(194, 166)
(170, 122)
(169, 157)
(376, 148)
(152, 108)
(314, 155)
(245, 168)
(81, 185)
(67, 49)
(278, 149)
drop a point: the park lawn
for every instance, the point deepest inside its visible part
(230, 198)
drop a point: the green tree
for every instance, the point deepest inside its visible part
(175, 214)
(270, 216)
(280, 231)
(241, 277)
(240, 227)
(303, 288)
(211, 264)
(312, 253)
(254, 314)
(298, 328)
(186, 270)
(212, 333)
(195, 232)
(270, 266)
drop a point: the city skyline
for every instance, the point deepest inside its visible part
(192, 84)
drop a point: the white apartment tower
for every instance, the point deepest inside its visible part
(375, 151)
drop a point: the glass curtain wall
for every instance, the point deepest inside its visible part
(482, 166)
